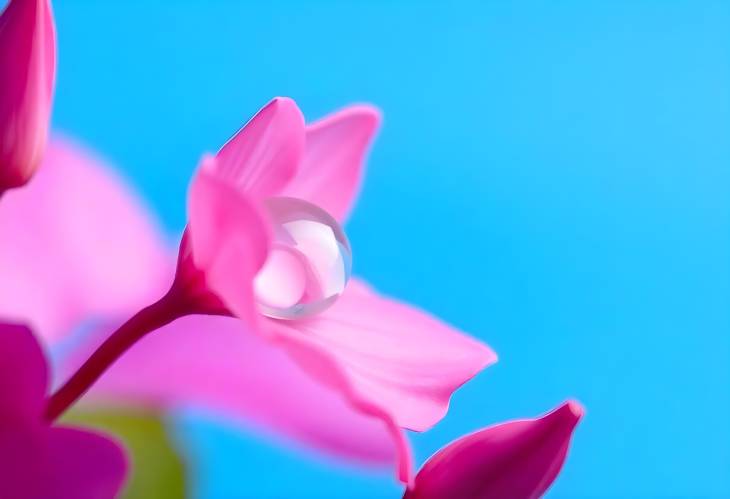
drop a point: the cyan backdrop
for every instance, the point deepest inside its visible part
(553, 177)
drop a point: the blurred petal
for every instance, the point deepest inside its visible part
(519, 459)
(229, 240)
(334, 157)
(38, 461)
(23, 374)
(265, 154)
(83, 246)
(83, 465)
(156, 469)
(389, 360)
(27, 72)
(214, 363)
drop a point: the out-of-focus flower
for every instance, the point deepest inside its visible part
(77, 246)
(27, 73)
(38, 461)
(514, 460)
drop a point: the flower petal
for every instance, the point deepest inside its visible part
(83, 465)
(388, 359)
(27, 72)
(334, 157)
(107, 255)
(215, 363)
(394, 354)
(23, 374)
(264, 155)
(229, 240)
(515, 459)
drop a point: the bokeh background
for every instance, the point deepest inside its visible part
(553, 177)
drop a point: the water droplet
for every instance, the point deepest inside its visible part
(309, 262)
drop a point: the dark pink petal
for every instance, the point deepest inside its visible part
(388, 359)
(23, 375)
(215, 363)
(83, 465)
(38, 462)
(264, 155)
(229, 240)
(514, 460)
(334, 158)
(27, 72)
(83, 246)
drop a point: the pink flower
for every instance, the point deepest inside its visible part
(38, 461)
(373, 365)
(514, 460)
(27, 72)
(387, 360)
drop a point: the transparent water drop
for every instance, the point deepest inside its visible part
(309, 262)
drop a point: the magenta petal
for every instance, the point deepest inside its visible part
(38, 461)
(23, 374)
(334, 158)
(107, 256)
(83, 465)
(519, 459)
(229, 240)
(27, 72)
(215, 363)
(58, 463)
(264, 155)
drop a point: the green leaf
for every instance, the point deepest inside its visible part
(156, 468)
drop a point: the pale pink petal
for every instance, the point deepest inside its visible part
(23, 374)
(215, 363)
(393, 354)
(83, 245)
(265, 154)
(515, 459)
(334, 159)
(388, 359)
(83, 465)
(229, 239)
(27, 73)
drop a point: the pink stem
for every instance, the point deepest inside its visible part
(164, 311)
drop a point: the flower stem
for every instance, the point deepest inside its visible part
(160, 313)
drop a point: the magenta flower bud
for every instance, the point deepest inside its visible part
(27, 73)
(514, 460)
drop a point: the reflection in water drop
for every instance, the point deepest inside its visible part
(309, 262)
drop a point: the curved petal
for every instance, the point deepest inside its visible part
(215, 363)
(83, 245)
(265, 154)
(229, 240)
(388, 359)
(83, 465)
(333, 165)
(27, 72)
(23, 374)
(515, 459)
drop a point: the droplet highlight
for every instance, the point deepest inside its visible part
(309, 262)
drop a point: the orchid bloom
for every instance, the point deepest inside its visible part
(514, 460)
(374, 365)
(38, 461)
(27, 73)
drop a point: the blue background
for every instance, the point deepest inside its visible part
(553, 177)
